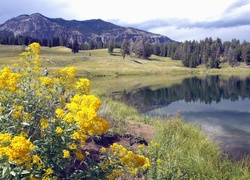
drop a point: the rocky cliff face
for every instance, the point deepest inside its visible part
(41, 27)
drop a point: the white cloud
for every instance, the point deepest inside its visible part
(178, 19)
(225, 34)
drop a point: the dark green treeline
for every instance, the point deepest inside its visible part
(209, 52)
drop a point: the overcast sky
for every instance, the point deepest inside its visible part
(180, 20)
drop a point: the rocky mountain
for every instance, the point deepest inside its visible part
(41, 27)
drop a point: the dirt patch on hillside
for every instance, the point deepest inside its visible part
(136, 133)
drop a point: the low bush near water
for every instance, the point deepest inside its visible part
(45, 122)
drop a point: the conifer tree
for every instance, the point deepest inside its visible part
(111, 47)
(246, 54)
(125, 48)
(75, 47)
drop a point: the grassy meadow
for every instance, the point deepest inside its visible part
(96, 63)
(178, 150)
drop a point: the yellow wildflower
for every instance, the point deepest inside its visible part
(37, 160)
(15, 65)
(134, 171)
(115, 174)
(69, 117)
(103, 150)
(32, 177)
(147, 163)
(59, 130)
(19, 151)
(27, 117)
(19, 108)
(44, 123)
(79, 136)
(46, 81)
(32, 49)
(141, 146)
(75, 135)
(8, 79)
(129, 159)
(23, 133)
(49, 171)
(46, 177)
(78, 154)
(48, 97)
(73, 146)
(3, 151)
(59, 113)
(6, 137)
(83, 86)
(87, 153)
(66, 154)
(159, 161)
(16, 114)
(65, 76)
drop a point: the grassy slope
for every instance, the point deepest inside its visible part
(101, 63)
(9, 54)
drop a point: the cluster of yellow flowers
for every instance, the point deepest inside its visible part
(83, 86)
(128, 159)
(16, 148)
(65, 76)
(46, 81)
(47, 120)
(31, 59)
(8, 79)
(32, 50)
(84, 108)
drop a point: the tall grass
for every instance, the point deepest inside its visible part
(188, 154)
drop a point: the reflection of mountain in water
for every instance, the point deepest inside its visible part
(206, 90)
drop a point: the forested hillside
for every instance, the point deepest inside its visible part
(209, 52)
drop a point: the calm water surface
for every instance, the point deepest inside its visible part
(219, 106)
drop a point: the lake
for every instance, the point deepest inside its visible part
(219, 105)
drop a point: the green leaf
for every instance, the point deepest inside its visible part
(25, 172)
(13, 173)
(25, 124)
(4, 170)
(63, 138)
(3, 160)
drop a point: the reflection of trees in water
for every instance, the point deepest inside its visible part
(140, 100)
(207, 90)
(212, 88)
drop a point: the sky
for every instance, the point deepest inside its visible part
(180, 20)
